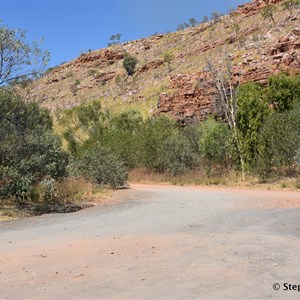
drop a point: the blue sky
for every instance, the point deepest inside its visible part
(72, 26)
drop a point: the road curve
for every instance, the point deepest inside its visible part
(161, 242)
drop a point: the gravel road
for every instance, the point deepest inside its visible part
(159, 242)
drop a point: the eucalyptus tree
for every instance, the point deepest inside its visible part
(19, 58)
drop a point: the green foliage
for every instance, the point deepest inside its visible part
(205, 19)
(114, 39)
(290, 5)
(128, 121)
(193, 22)
(297, 157)
(129, 64)
(278, 144)
(215, 16)
(69, 74)
(284, 92)
(19, 58)
(268, 12)
(120, 137)
(100, 166)
(236, 28)
(88, 125)
(176, 155)
(23, 81)
(214, 142)
(151, 138)
(29, 151)
(168, 57)
(92, 72)
(159, 144)
(180, 27)
(81, 122)
(252, 111)
(193, 135)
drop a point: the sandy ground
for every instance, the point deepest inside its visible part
(159, 242)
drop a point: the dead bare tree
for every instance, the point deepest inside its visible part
(222, 79)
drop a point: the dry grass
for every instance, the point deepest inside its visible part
(199, 177)
(70, 195)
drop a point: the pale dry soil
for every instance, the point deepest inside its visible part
(158, 242)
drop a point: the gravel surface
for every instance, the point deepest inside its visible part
(158, 242)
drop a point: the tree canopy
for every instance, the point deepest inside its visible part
(18, 58)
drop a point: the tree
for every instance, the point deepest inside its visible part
(268, 13)
(290, 5)
(177, 155)
(168, 57)
(222, 80)
(151, 138)
(193, 22)
(186, 25)
(180, 27)
(101, 166)
(279, 142)
(283, 92)
(120, 137)
(252, 112)
(115, 39)
(236, 29)
(129, 64)
(29, 151)
(214, 142)
(215, 16)
(17, 57)
(205, 19)
(82, 122)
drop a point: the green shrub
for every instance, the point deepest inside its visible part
(214, 143)
(252, 111)
(268, 12)
(177, 156)
(297, 157)
(93, 73)
(290, 5)
(284, 92)
(101, 166)
(29, 151)
(193, 135)
(168, 57)
(120, 137)
(129, 64)
(279, 142)
(150, 140)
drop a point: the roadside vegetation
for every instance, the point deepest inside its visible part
(257, 138)
(101, 148)
(267, 127)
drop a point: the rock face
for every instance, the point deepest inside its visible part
(182, 87)
(194, 96)
(251, 8)
(193, 99)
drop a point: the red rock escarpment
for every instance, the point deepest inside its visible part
(192, 97)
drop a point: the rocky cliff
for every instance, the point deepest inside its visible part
(182, 88)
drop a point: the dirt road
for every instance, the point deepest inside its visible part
(161, 242)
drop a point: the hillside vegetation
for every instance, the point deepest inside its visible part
(169, 66)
